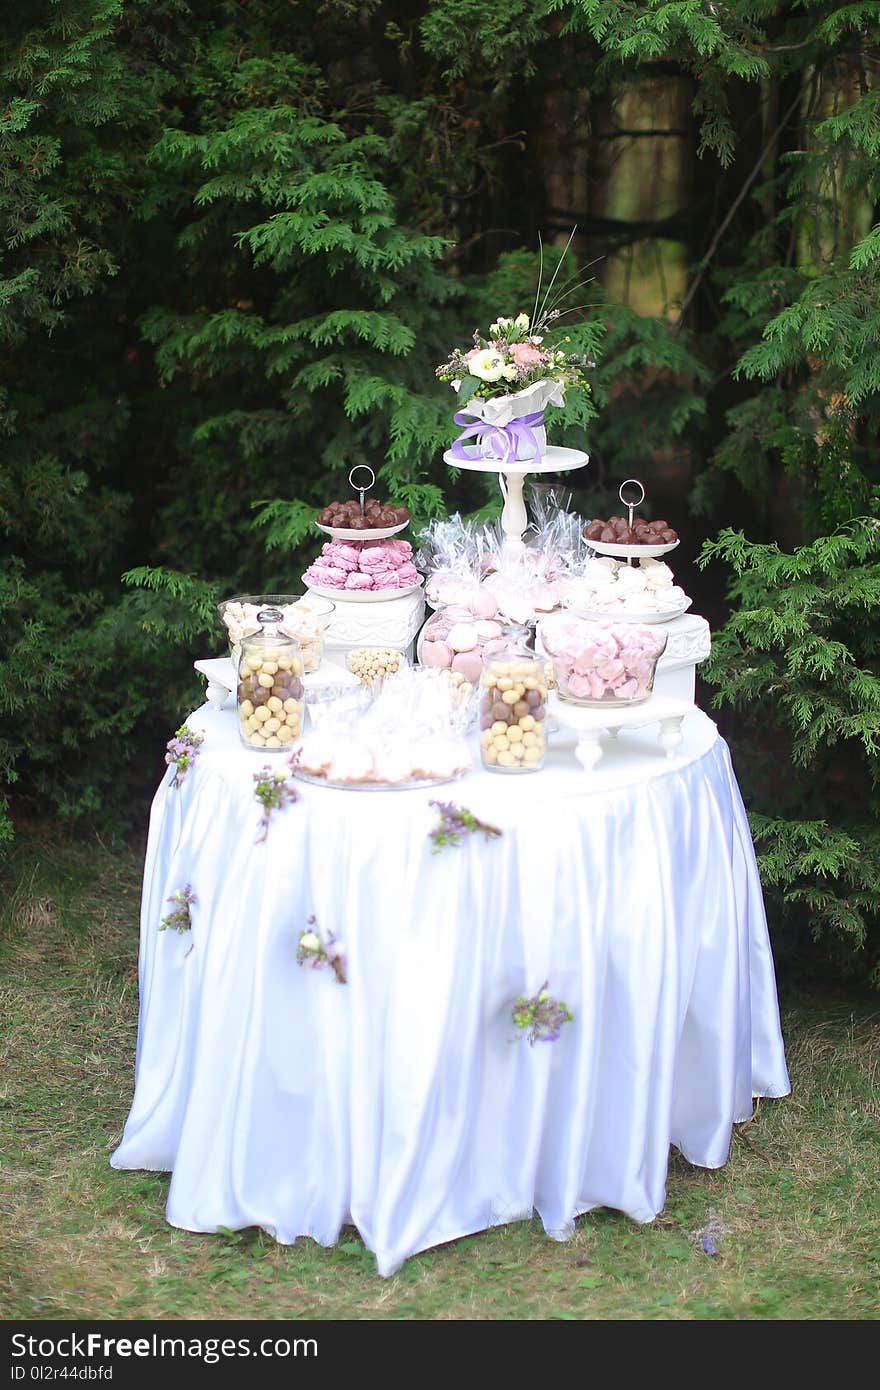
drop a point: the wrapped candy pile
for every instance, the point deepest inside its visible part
(466, 567)
(352, 566)
(598, 663)
(617, 588)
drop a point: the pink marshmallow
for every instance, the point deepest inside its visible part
(436, 654)
(470, 664)
(342, 556)
(358, 581)
(377, 557)
(325, 576)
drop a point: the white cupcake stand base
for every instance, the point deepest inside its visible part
(591, 723)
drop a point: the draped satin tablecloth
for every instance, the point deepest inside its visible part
(406, 1101)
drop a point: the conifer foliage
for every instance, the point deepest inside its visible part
(235, 240)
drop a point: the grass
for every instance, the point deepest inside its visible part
(81, 1241)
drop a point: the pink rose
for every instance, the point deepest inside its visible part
(525, 355)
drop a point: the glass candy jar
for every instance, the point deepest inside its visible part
(513, 710)
(271, 696)
(602, 663)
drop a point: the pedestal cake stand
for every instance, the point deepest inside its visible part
(511, 476)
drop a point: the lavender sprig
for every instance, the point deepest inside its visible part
(709, 1238)
(182, 750)
(274, 791)
(316, 951)
(180, 920)
(541, 1016)
(455, 821)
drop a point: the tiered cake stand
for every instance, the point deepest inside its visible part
(511, 476)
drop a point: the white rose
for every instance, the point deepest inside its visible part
(488, 365)
(309, 941)
(522, 321)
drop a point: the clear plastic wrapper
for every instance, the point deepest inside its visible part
(448, 557)
(411, 732)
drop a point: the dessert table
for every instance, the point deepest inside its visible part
(405, 1101)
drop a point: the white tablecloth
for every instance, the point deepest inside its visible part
(406, 1101)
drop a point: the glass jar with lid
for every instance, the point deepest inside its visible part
(513, 710)
(271, 696)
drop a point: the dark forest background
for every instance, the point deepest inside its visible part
(236, 239)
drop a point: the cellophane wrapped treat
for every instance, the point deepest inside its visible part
(448, 558)
(600, 663)
(411, 731)
(537, 581)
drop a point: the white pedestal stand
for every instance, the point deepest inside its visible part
(591, 722)
(511, 476)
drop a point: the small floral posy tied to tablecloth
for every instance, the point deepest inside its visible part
(429, 1013)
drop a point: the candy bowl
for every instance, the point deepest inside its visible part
(453, 640)
(305, 617)
(600, 663)
(373, 665)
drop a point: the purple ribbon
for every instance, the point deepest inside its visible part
(497, 441)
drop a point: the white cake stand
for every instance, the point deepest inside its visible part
(511, 476)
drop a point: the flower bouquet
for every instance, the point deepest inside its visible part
(505, 382)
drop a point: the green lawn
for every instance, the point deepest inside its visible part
(799, 1196)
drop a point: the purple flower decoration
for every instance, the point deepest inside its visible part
(274, 791)
(182, 750)
(541, 1016)
(180, 919)
(709, 1238)
(316, 951)
(454, 822)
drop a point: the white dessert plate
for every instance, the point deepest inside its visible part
(378, 533)
(615, 616)
(363, 595)
(413, 785)
(637, 552)
(554, 459)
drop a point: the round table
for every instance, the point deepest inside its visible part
(405, 1101)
